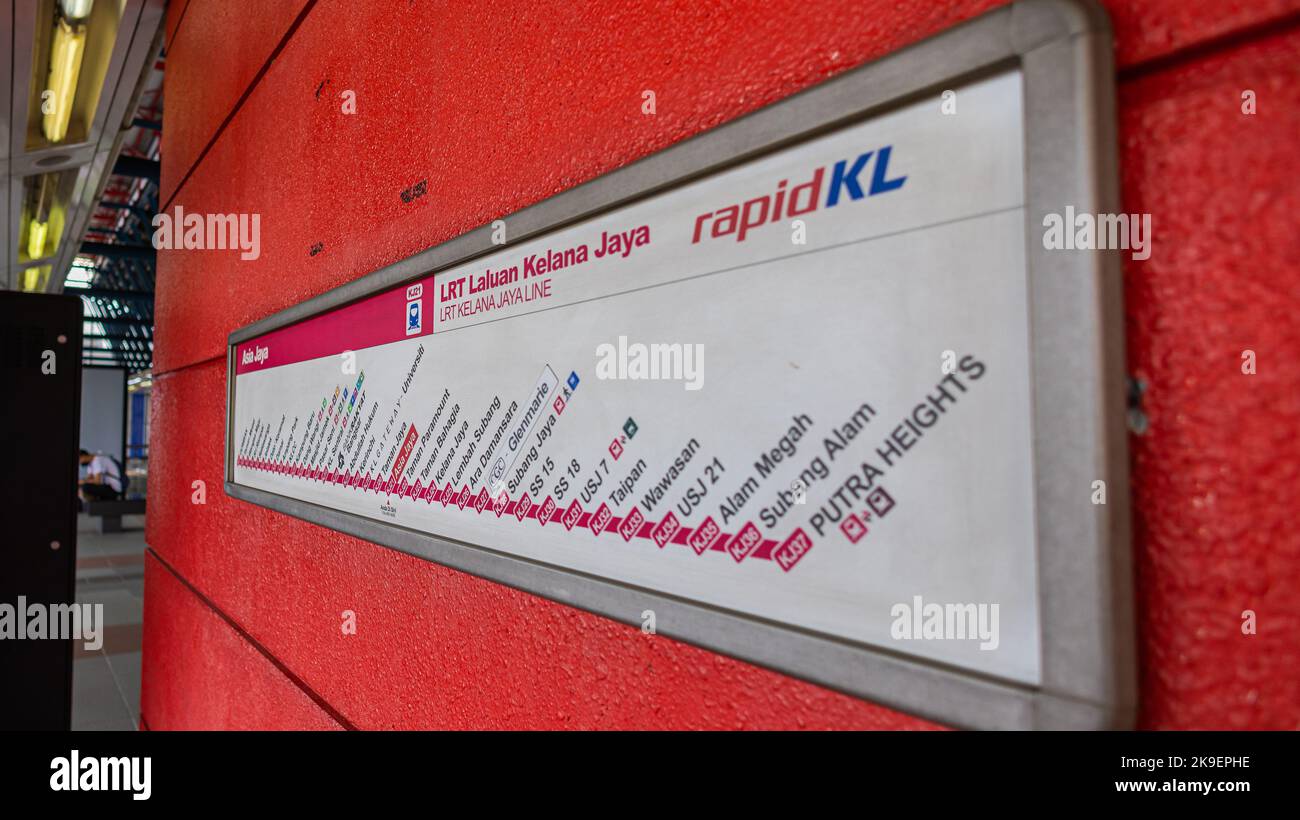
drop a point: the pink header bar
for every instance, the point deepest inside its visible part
(403, 312)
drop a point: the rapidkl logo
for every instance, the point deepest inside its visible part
(414, 321)
(846, 179)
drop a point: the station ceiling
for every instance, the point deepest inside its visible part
(80, 130)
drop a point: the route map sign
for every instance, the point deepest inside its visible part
(797, 391)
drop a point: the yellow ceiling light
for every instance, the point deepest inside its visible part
(34, 279)
(39, 227)
(37, 232)
(65, 67)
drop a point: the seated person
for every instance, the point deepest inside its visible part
(103, 481)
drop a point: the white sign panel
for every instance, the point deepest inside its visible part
(796, 390)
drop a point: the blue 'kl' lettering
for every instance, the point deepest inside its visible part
(879, 184)
(840, 179)
(844, 177)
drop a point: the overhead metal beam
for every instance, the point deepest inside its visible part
(117, 337)
(122, 206)
(138, 363)
(131, 237)
(120, 322)
(137, 167)
(111, 293)
(113, 251)
(89, 347)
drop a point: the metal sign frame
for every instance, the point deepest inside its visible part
(1063, 49)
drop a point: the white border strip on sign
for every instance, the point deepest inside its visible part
(1063, 49)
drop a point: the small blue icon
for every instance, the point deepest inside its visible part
(573, 380)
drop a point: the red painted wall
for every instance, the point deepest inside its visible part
(501, 103)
